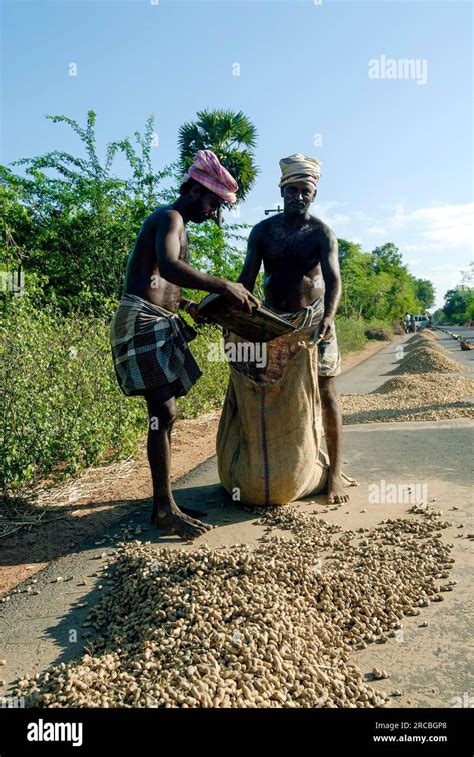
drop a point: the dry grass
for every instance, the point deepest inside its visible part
(46, 502)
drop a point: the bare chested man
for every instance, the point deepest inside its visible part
(302, 283)
(150, 340)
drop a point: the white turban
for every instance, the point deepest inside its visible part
(299, 167)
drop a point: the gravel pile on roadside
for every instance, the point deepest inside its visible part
(418, 341)
(411, 397)
(421, 389)
(428, 387)
(429, 358)
(428, 334)
(269, 627)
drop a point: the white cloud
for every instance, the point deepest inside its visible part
(413, 261)
(377, 230)
(443, 227)
(340, 218)
(425, 236)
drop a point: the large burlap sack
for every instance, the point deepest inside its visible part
(269, 436)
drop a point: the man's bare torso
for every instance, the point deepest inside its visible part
(142, 275)
(292, 262)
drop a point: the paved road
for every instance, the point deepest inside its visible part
(466, 357)
(375, 370)
(430, 666)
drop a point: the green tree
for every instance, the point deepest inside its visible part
(400, 295)
(425, 293)
(358, 280)
(81, 219)
(439, 316)
(375, 285)
(387, 258)
(459, 304)
(231, 136)
(15, 221)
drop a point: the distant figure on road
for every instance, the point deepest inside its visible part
(406, 322)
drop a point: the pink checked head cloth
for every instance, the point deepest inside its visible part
(207, 170)
(299, 167)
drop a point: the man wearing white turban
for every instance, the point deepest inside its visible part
(302, 283)
(299, 167)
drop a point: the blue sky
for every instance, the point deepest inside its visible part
(396, 152)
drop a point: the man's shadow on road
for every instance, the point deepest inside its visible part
(71, 534)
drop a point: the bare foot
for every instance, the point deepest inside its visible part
(335, 492)
(193, 513)
(196, 514)
(172, 520)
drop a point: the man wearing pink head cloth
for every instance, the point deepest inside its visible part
(207, 170)
(149, 339)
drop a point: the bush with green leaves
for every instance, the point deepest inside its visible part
(60, 403)
(72, 221)
(352, 332)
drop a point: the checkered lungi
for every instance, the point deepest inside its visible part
(150, 348)
(329, 357)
